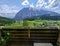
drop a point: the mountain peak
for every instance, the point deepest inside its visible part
(29, 13)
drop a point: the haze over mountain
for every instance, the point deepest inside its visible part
(7, 15)
(34, 13)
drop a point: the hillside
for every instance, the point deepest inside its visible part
(30, 13)
(4, 21)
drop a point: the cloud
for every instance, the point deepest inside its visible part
(49, 1)
(7, 9)
(40, 4)
(32, 5)
(25, 2)
(52, 4)
(57, 10)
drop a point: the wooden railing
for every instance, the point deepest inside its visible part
(33, 35)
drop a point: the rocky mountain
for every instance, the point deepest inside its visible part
(27, 13)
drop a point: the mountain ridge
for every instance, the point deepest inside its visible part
(29, 13)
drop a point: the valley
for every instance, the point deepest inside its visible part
(29, 18)
(41, 24)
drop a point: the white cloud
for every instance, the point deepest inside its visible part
(49, 1)
(40, 3)
(25, 2)
(52, 4)
(56, 9)
(32, 5)
(8, 9)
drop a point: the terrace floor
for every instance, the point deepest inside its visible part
(43, 44)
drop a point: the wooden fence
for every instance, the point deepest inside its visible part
(28, 36)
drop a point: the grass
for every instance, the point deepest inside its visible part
(32, 23)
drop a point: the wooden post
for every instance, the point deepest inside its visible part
(29, 33)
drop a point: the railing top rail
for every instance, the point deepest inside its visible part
(30, 28)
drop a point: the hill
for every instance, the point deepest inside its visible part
(4, 21)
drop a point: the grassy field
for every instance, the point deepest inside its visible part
(35, 24)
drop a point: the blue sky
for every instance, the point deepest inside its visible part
(16, 3)
(11, 3)
(13, 6)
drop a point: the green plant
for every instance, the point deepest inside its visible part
(4, 37)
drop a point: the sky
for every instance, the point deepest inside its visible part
(14, 6)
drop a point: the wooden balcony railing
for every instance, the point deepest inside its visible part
(33, 35)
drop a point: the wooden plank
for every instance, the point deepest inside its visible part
(31, 35)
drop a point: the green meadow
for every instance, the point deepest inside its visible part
(34, 24)
(38, 23)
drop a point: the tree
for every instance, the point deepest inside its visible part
(25, 23)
